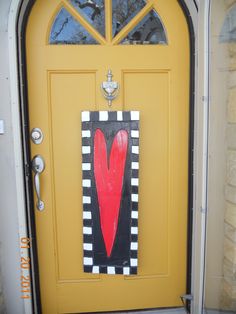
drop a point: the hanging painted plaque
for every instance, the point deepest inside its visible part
(110, 164)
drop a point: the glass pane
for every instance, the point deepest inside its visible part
(149, 31)
(67, 30)
(93, 12)
(123, 12)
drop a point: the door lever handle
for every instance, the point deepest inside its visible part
(38, 166)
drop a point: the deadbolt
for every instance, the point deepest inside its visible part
(37, 136)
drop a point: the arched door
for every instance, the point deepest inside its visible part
(70, 46)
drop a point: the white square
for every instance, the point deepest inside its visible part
(119, 116)
(85, 116)
(86, 200)
(135, 149)
(88, 261)
(88, 247)
(87, 215)
(134, 230)
(134, 246)
(111, 270)
(134, 214)
(95, 270)
(87, 230)
(86, 133)
(134, 115)
(134, 134)
(133, 262)
(126, 271)
(86, 183)
(103, 115)
(135, 165)
(86, 149)
(134, 181)
(86, 166)
(134, 197)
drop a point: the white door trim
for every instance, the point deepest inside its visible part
(201, 159)
(16, 130)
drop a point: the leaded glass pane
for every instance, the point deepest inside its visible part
(149, 31)
(123, 12)
(93, 11)
(67, 30)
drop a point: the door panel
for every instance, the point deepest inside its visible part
(63, 80)
(153, 241)
(66, 146)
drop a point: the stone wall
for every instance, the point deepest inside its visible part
(220, 283)
(217, 157)
(229, 271)
(228, 300)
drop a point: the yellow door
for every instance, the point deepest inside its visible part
(64, 78)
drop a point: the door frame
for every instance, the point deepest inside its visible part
(18, 16)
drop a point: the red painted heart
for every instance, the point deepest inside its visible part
(109, 181)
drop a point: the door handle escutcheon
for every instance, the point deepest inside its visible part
(38, 166)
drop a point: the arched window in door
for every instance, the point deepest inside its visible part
(135, 21)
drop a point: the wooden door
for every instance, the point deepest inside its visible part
(69, 52)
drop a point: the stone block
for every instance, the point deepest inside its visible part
(232, 79)
(229, 288)
(226, 302)
(231, 136)
(230, 214)
(230, 193)
(230, 232)
(231, 167)
(232, 54)
(232, 105)
(230, 250)
(229, 270)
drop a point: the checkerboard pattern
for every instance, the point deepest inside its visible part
(87, 170)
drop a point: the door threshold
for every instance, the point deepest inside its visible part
(156, 311)
(218, 312)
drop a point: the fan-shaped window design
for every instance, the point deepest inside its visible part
(67, 30)
(123, 12)
(93, 12)
(82, 22)
(149, 31)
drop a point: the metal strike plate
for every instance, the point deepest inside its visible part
(37, 136)
(2, 127)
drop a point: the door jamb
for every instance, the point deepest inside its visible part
(19, 12)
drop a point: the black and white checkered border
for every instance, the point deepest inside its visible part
(90, 116)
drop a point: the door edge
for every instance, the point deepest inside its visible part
(189, 21)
